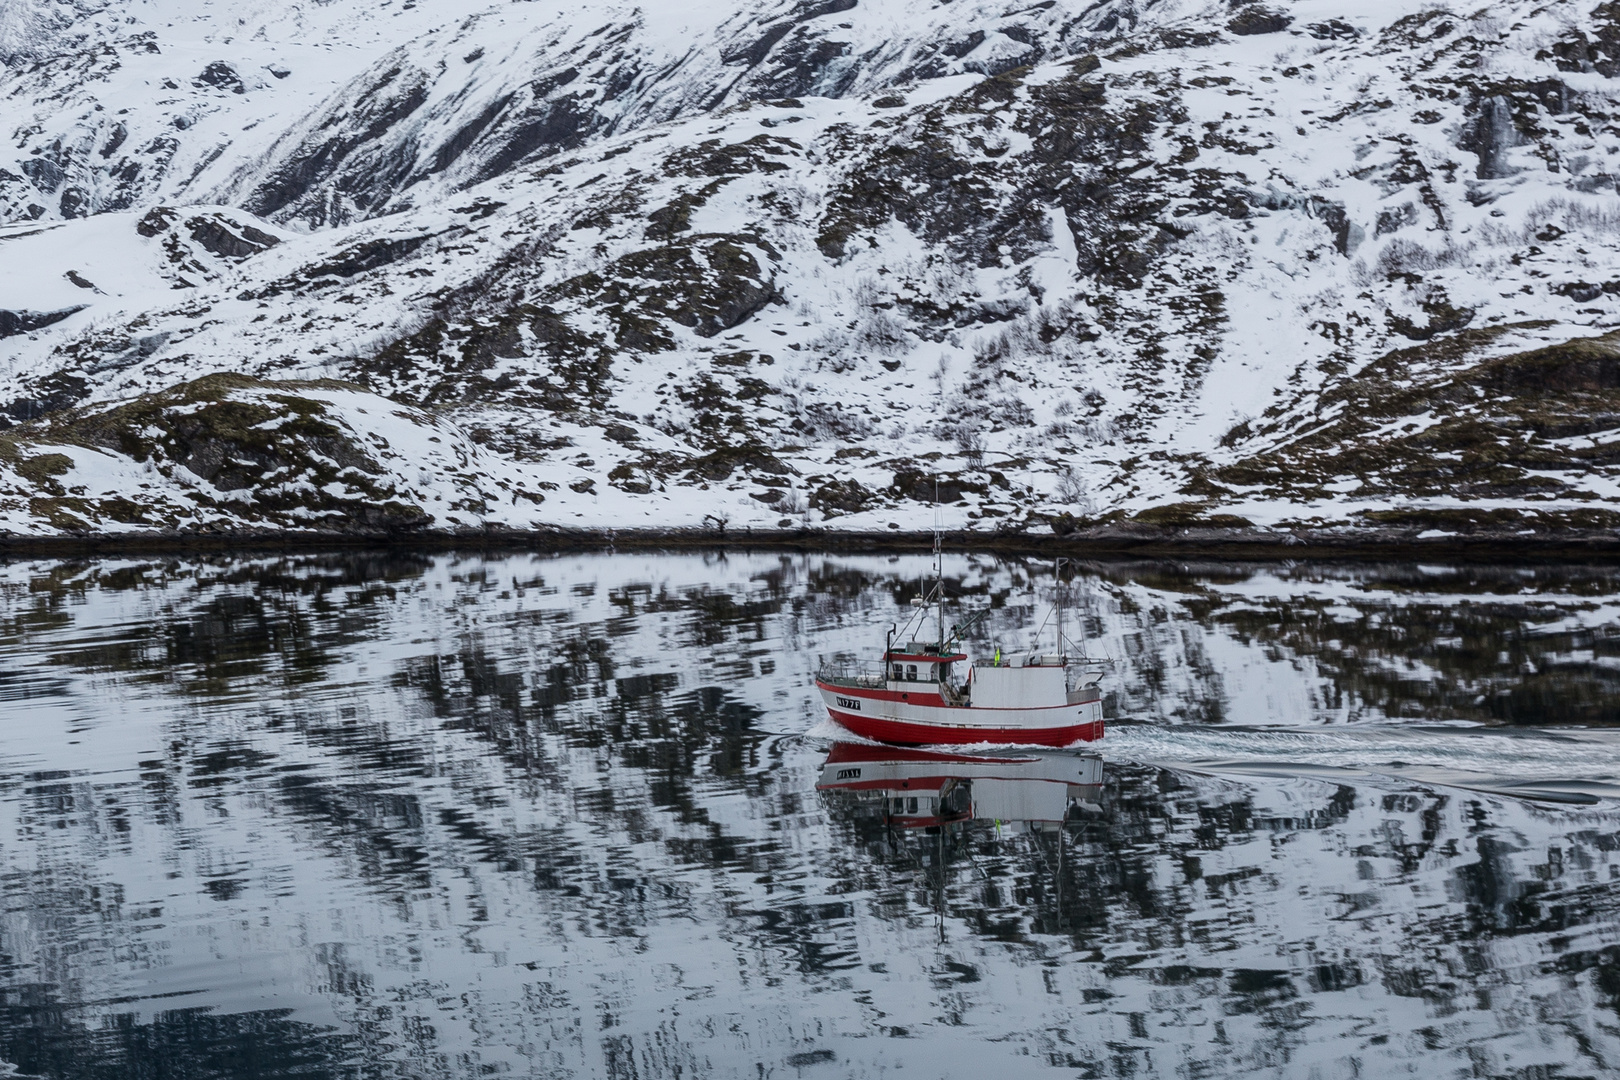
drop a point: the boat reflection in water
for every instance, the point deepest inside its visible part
(938, 809)
(908, 789)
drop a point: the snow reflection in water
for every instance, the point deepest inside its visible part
(384, 816)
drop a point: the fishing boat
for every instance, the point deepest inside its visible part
(924, 788)
(913, 696)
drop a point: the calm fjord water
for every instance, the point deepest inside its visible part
(383, 816)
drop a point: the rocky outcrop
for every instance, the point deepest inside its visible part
(230, 451)
(1491, 135)
(21, 322)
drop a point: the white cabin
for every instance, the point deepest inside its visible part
(1021, 681)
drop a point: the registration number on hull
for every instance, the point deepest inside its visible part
(852, 704)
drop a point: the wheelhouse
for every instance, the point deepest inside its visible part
(919, 663)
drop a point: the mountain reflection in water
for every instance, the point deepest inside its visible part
(382, 816)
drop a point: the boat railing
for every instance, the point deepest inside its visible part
(869, 674)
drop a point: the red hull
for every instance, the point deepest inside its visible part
(879, 729)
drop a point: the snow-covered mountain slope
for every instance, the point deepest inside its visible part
(1289, 267)
(324, 114)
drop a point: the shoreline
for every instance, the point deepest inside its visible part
(1101, 542)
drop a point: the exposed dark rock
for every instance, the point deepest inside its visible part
(1582, 292)
(710, 283)
(719, 464)
(218, 236)
(1600, 54)
(1443, 318)
(440, 364)
(75, 202)
(1066, 524)
(1490, 136)
(349, 262)
(1002, 64)
(712, 157)
(1190, 515)
(559, 123)
(156, 220)
(806, 64)
(751, 53)
(129, 353)
(963, 45)
(464, 137)
(1346, 235)
(815, 9)
(911, 483)
(46, 174)
(478, 209)
(1396, 218)
(1258, 20)
(1588, 365)
(1183, 37)
(628, 478)
(22, 322)
(367, 256)
(223, 76)
(664, 222)
(841, 497)
(1333, 30)
(115, 139)
(332, 151)
(51, 394)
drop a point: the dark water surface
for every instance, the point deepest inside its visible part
(378, 816)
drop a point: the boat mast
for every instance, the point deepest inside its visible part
(939, 573)
(939, 590)
(1057, 575)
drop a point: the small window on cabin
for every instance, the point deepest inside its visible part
(911, 672)
(911, 806)
(899, 672)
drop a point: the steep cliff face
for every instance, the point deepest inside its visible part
(807, 264)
